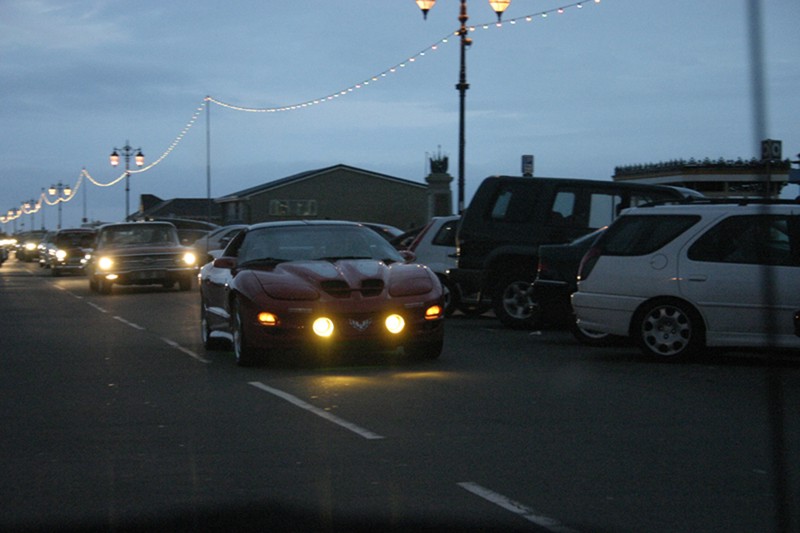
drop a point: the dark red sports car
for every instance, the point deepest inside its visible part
(315, 286)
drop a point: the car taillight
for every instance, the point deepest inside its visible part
(588, 261)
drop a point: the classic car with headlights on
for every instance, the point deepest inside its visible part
(315, 287)
(140, 253)
(66, 250)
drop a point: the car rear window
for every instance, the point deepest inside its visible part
(643, 234)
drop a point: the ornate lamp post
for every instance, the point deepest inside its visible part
(127, 152)
(61, 192)
(499, 6)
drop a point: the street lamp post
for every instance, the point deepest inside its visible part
(499, 6)
(61, 192)
(127, 151)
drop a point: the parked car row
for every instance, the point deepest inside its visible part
(509, 218)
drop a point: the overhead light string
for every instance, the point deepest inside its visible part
(399, 66)
(26, 208)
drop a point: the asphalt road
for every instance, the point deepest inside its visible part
(114, 417)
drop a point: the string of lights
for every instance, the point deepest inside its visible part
(28, 208)
(399, 66)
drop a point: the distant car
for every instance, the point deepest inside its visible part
(67, 250)
(216, 240)
(679, 278)
(189, 230)
(317, 286)
(27, 247)
(45, 248)
(140, 253)
(556, 280)
(384, 230)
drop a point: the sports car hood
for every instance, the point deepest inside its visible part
(307, 280)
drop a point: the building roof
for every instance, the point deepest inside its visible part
(154, 207)
(259, 189)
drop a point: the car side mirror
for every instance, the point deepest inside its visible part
(225, 262)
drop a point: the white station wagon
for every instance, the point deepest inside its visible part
(677, 278)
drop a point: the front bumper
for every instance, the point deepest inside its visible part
(146, 277)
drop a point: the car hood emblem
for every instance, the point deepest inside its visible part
(360, 325)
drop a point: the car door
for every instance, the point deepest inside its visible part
(744, 275)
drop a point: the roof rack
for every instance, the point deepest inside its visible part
(725, 201)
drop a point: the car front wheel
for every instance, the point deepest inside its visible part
(209, 342)
(669, 330)
(244, 352)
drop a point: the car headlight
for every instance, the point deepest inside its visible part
(30, 246)
(189, 258)
(61, 255)
(323, 327)
(395, 324)
(105, 263)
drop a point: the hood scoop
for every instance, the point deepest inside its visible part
(340, 289)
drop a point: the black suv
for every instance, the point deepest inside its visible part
(509, 217)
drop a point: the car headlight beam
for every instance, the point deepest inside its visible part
(105, 263)
(189, 258)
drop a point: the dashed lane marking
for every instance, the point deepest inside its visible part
(317, 411)
(510, 505)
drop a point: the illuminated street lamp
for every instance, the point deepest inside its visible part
(61, 192)
(499, 6)
(127, 153)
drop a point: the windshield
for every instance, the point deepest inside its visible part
(74, 240)
(314, 243)
(138, 235)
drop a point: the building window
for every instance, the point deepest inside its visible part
(296, 208)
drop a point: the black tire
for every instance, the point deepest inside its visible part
(512, 300)
(92, 283)
(55, 272)
(245, 354)
(668, 330)
(104, 286)
(185, 283)
(452, 296)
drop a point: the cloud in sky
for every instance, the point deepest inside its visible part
(615, 83)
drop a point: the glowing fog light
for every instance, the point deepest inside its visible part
(323, 327)
(267, 319)
(189, 258)
(395, 323)
(105, 263)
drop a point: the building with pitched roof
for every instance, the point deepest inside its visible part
(335, 192)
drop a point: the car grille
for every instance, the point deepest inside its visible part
(340, 289)
(151, 261)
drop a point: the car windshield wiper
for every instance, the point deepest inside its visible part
(263, 261)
